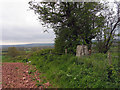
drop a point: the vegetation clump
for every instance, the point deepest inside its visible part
(12, 51)
(69, 71)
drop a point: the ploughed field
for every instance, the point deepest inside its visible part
(18, 75)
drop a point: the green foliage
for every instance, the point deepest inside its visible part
(16, 68)
(18, 58)
(12, 51)
(12, 59)
(107, 35)
(73, 22)
(68, 71)
(31, 71)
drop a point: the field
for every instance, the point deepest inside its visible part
(69, 71)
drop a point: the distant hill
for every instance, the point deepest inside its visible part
(28, 45)
(39, 44)
(115, 41)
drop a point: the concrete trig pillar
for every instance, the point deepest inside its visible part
(82, 50)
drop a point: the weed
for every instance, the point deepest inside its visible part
(38, 85)
(68, 71)
(31, 71)
(16, 68)
(33, 79)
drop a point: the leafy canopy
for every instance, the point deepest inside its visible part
(73, 22)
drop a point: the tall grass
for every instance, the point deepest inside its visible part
(68, 71)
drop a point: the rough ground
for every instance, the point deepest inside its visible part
(17, 75)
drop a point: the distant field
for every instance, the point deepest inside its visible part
(31, 45)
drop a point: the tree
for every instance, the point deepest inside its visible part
(108, 33)
(73, 22)
(12, 51)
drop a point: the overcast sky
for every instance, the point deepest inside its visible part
(19, 25)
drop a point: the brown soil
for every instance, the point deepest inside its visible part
(17, 75)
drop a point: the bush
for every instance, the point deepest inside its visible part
(68, 71)
(12, 51)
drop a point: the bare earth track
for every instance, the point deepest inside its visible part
(16, 75)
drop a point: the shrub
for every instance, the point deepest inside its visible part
(12, 51)
(68, 71)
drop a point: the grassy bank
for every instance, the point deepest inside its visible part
(68, 71)
(12, 59)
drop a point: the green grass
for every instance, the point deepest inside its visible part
(11, 59)
(28, 51)
(68, 71)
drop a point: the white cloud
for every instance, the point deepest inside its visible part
(20, 25)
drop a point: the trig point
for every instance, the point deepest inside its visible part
(82, 50)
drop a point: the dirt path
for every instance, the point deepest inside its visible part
(17, 75)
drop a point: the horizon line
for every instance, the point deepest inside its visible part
(28, 43)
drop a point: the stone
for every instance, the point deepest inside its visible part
(24, 78)
(82, 50)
